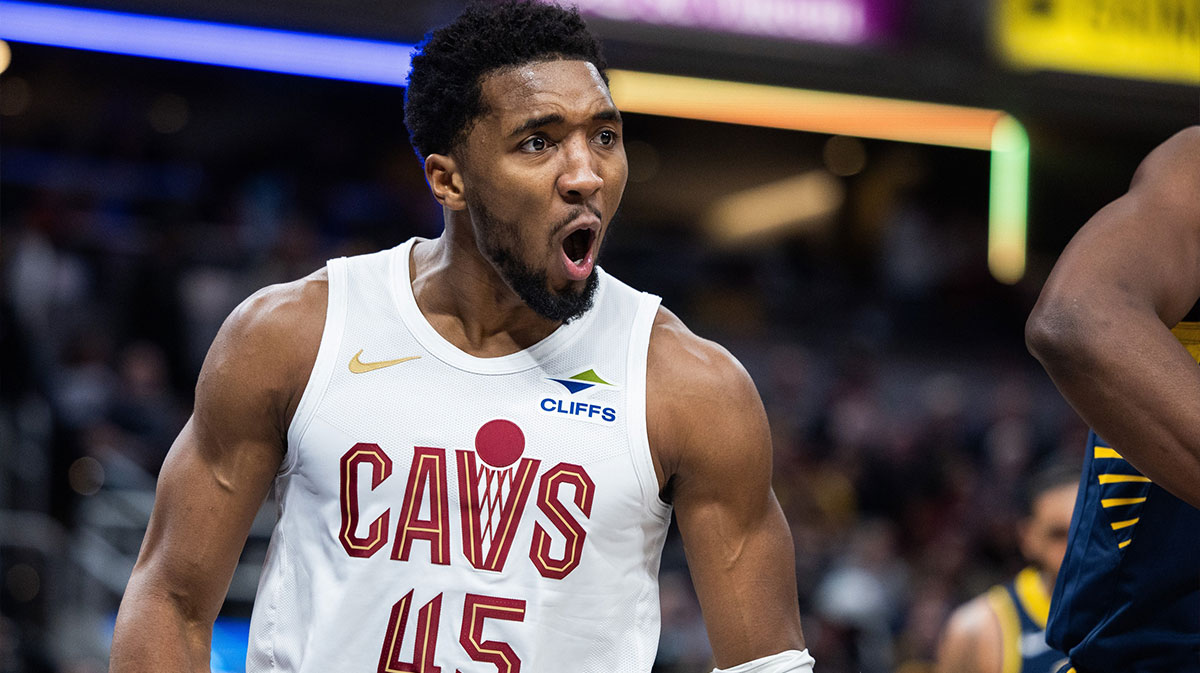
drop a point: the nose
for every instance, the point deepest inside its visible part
(579, 178)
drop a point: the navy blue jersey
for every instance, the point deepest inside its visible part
(1127, 596)
(1021, 607)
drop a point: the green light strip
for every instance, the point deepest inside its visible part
(1008, 201)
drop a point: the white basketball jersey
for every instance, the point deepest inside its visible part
(440, 512)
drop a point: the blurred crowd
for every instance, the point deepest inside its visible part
(905, 412)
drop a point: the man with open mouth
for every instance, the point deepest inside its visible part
(475, 442)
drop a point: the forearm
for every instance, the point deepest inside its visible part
(153, 633)
(1131, 380)
(715, 445)
(746, 583)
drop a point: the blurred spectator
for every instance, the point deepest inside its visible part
(1004, 630)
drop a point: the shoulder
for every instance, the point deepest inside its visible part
(972, 639)
(282, 306)
(975, 619)
(264, 352)
(271, 322)
(700, 368)
(1171, 172)
(700, 401)
(694, 374)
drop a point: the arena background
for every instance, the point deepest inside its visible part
(845, 263)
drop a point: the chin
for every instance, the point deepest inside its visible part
(560, 306)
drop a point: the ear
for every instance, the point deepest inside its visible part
(445, 181)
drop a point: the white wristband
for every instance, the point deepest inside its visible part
(791, 661)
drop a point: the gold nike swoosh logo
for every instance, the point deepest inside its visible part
(359, 367)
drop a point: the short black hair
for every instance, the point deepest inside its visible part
(1052, 476)
(444, 94)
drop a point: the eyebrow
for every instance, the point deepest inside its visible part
(609, 114)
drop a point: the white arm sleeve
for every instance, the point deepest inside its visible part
(791, 661)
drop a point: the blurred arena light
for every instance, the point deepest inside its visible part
(204, 42)
(86, 476)
(1007, 201)
(647, 93)
(844, 155)
(5, 56)
(798, 203)
(864, 117)
(804, 110)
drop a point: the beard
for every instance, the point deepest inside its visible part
(498, 242)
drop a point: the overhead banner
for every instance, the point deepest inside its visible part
(1136, 39)
(836, 21)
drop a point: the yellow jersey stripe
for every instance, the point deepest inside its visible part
(1188, 334)
(1124, 524)
(1124, 544)
(1033, 596)
(1122, 478)
(1010, 629)
(1105, 452)
(1120, 502)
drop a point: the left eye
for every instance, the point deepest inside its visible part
(534, 144)
(607, 137)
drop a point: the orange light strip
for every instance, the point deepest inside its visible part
(804, 110)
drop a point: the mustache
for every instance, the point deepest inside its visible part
(574, 214)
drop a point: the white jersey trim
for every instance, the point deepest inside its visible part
(639, 437)
(323, 366)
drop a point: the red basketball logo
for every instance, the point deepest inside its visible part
(499, 443)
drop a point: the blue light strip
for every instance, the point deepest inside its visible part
(204, 42)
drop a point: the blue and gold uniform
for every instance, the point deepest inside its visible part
(1127, 596)
(1022, 606)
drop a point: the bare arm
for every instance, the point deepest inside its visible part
(1101, 324)
(215, 478)
(972, 642)
(712, 446)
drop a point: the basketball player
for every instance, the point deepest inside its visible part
(1128, 593)
(1004, 630)
(476, 442)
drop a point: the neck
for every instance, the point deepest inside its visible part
(462, 296)
(1048, 580)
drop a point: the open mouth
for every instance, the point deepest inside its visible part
(577, 244)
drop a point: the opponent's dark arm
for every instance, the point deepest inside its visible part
(1101, 325)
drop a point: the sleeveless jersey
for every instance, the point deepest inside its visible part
(1127, 596)
(1021, 606)
(440, 512)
